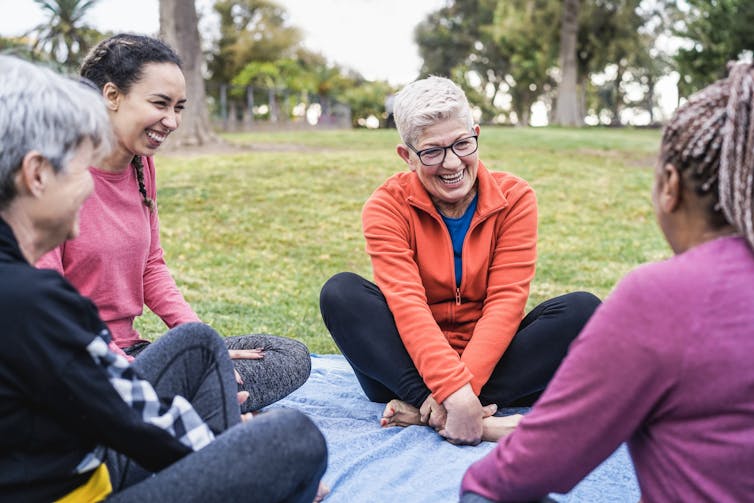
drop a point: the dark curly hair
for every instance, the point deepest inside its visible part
(120, 59)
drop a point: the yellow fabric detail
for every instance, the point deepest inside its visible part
(96, 489)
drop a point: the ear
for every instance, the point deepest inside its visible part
(405, 154)
(476, 129)
(34, 175)
(112, 96)
(669, 193)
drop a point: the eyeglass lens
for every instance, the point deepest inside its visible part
(461, 148)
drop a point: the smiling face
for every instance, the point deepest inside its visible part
(143, 117)
(64, 194)
(452, 184)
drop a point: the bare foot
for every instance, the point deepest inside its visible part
(400, 413)
(494, 428)
(322, 492)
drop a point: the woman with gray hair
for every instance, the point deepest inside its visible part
(665, 363)
(73, 414)
(442, 333)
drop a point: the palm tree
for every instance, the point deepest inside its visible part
(64, 37)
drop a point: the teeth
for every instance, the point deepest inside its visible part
(156, 136)
(452, 179)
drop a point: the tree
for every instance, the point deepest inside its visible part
(63, 36)
(179, 27)
(524, 32)
(717, 31)
(511, 47)
(250, 30)
(456, 41)
(616, 42)
(569, 109)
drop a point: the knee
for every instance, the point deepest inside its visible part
(310, 445)
(301, 359)
(340, 289)
(196, 334)
(583, 304)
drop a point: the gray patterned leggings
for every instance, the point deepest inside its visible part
(285, 367)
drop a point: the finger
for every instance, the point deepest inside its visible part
(246, 417)
(246, 354)
(238, 376)
(242, 396)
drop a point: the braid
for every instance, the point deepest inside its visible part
(710, 140)
(139, 168)
(737, 159)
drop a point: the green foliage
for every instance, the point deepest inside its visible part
(63, 37)
(252, 237)
(250, 31)
(512, 48)
(367, 99)
(718, 31)
(524, 30)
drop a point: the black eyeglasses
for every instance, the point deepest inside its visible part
(435, 156)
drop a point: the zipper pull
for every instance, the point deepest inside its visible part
(458, 296)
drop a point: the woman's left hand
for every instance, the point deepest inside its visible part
(245, 354)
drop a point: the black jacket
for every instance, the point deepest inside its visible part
(56, 403)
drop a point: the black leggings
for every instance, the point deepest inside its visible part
(359, 320)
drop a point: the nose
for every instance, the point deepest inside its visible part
(451, 159)
(171, 120)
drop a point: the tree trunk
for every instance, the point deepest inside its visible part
(179, 28)
(568, 111)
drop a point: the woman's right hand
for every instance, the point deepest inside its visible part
(463, 424)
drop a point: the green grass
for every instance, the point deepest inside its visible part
(252, 237)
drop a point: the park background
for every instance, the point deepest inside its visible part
(261, 190)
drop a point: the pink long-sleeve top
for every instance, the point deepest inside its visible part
(117, 260)
(664, 364)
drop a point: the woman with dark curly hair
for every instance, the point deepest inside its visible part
(117, 260)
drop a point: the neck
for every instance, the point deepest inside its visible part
(28, 241)
(457, 209)
(706, 236)
(117, 162)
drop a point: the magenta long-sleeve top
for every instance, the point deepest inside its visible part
(665, 364)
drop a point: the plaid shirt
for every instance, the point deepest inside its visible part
(179, 419)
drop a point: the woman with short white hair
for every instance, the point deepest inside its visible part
(442, 331)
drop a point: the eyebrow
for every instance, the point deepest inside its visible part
(437, 145)
(168, 98)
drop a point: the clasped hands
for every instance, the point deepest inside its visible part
(459, 418)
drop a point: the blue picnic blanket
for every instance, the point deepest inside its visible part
(368, 463)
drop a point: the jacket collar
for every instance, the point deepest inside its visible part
(490, 198)
(9, 249)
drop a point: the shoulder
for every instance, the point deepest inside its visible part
(510, 185)
(41, 300)
(394, 192)
(397, 186)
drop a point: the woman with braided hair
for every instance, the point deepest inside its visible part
(117, 260)
(665, 363)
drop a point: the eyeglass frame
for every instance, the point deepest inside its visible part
(445, 150)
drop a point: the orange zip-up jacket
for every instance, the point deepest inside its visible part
(454, 335)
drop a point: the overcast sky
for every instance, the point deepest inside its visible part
(374, 37)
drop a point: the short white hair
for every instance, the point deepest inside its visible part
(43, 111)
(428, 101)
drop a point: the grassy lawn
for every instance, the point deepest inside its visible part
(251, 237)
